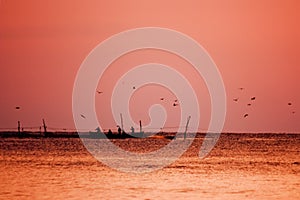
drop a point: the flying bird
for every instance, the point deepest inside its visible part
(82, 116)
(289, 104)
(175, 100)
(249, 104)
(235, 99)
(133, 87)
(17, 107)
(253, 98)
(246, 115)
(241, 88)
(175, 104)
(99, 92)
(161, 99)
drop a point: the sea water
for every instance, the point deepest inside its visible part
(241, 166)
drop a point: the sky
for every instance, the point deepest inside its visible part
(255, 45)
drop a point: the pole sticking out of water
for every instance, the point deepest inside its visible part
(45, 127)
(141, 130)
(186, 126)
(121, 123)
(140, 126)
(19, 127)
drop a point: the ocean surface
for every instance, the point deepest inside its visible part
(241, 166)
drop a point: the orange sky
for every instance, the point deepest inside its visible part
(255, 44)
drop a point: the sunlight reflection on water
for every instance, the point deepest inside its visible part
(239, 167)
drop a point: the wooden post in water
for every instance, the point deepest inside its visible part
(122, 128)
(19, 127)
(141, 130)
(45, 127)
(186, 126)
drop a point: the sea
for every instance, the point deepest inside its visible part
(240, 166)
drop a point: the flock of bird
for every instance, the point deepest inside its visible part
(248, 104)
(175, 103)
(253, 99)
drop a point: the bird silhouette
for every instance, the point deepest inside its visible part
(17, 107)
(253, 98)
(246, 115)
(175, 104)
(133, 87)
(289, 103)
(82, 116)
(175, 100)
(99, 92)
(235, 99)
(241, 88)
(249, 104)
(161, 99)
(293, 112)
